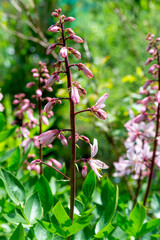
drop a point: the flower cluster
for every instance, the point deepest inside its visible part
(143, 130)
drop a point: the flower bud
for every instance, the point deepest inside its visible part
(45, 120)
(35, 75)
(38, 92)
(75, 95)
(56, 163)
(147, 84)
(54, 28)
(34, 70)
(70, 31)
(75, 52)
(69, 19)
(158, 96)
(139, 118)
(76, 38)
(63, 52)
(63, 140)
(54, 14)
(30, 84)
(85, 70)
(84, 138)
(84, 170)
(50, 48)
(148, 61)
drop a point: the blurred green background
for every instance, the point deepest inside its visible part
(114, 49)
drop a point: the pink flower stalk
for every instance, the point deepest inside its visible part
(48, 137)
(76, 38)
(63, 52)
(96, 165)
(96, 109)
(85, 70)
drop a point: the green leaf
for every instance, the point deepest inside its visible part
(148, 227)
(108, 192)
(105, 231)
(41, 233)
(78, 208)
(2, 121)
(53, 228)
(124, 224)
(18, 233)
(16, 218)
(14, 160)
(5, 155)
(5, 134)
(137, 216)
(119, 234)
(111, 201)
(13, 187)
(61, 215)
(155, 205)
(81, 223)
(33, 208)
(89, 184)
(45, 193)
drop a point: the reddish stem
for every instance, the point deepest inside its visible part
(72, 125)
(41, 162)
(155, 140)
(40, 124)
(85, 110)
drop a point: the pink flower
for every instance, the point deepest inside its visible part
(96, 109)
(139, 118)
(30, 84)
(85, 70)
(25, 132)
(39, 92)
(48, 137)
(63, 52)
(96, 165)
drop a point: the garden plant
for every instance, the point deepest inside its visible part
(52, 184)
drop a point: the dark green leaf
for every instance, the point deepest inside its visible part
(155, 205)
(89, 184)
(13, 187)
(45, 193)
(33, 208)
(2, 121)
(18, 233)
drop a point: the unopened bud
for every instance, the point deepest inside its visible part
(84, 171)
(85, 70)
(30, 84)
(63, 52)
(69, 19)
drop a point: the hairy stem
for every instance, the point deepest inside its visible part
(72, 126)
